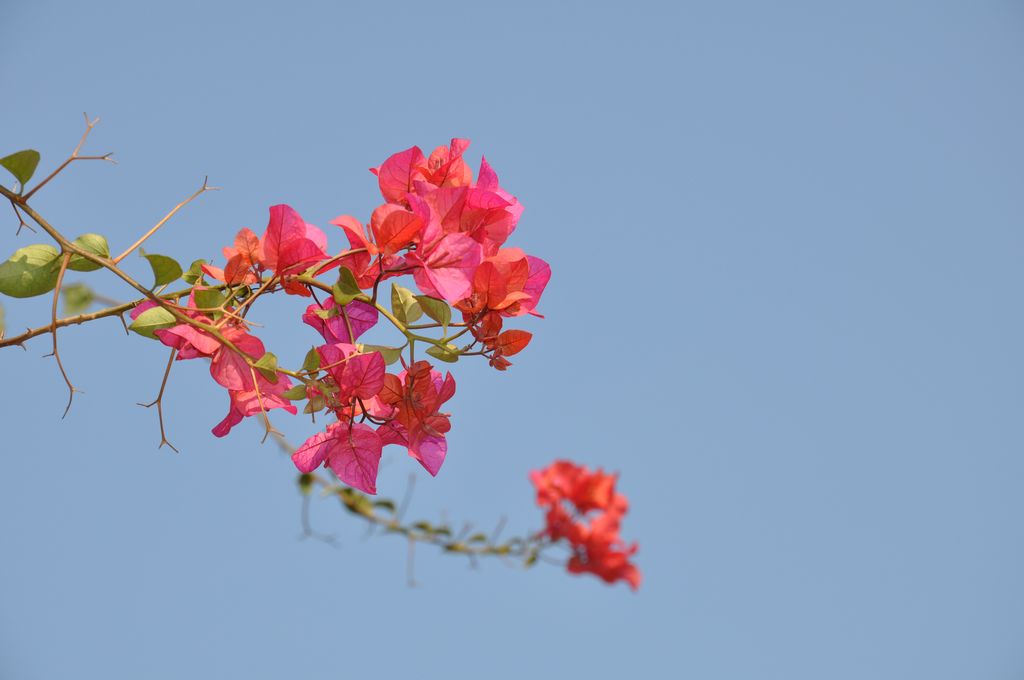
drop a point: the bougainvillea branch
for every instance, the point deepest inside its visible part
(439, 226)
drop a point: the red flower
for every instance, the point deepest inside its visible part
(570, 492)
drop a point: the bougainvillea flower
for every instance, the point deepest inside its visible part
(417, 395)
(429, 449)
(352, 450)
(228, 367)
(356, 375)
(399, 173)
(333, 321)
(563, 480)
(243, 260)
(509, 282)
(446, 168)
(445, 267)
(394, 227)
(362, 263)
(246, 403)
(191, 342)
(600, 551)
(570, 492)
(290, 244)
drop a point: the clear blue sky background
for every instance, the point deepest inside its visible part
(786, 305)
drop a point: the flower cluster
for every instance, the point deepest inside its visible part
(438, 226)
(584, 509)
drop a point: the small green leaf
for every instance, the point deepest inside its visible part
(404, 305)
(31, 271)
(312, 361)
(21, 164)
(306, 483)
(346, 289)
(425, 527)
(385, 503)
(390, 354)
(315, 403)
(448, 354)
(209, 299)
(194, 273)
(326, 313)
(296, 393)
(90, 243)
(152, 320)
(165, 269)
(77, 297)
(267, 366)
(531, 559)
(356, 502)
(477, 538)
(438, 310)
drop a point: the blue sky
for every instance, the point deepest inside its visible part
(787, 249)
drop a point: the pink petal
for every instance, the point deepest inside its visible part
(354, 455)
(363, 376)
(397, 174)
(312, 453)
(487, 179)
(430, 451)
(447, 271)
(540, 274)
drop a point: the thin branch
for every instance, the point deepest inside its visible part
(53, 331)
(21, 221)
(89, 125)
(168, 216)
(159, 401)
(68, 321)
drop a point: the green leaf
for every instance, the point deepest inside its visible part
(385, 503)
(449, 354)
(194, 273)
(390, 354)
(90, 243)
(152, 320)
(438, 310)
(346, 289)
(477, 538)
(31, 271)
(165, 269)
(21, 164)
(267, 366)
(404, 305)
(356, 502)
(312, 361)
(296, 393)
(425, 527)
(209, 299)
(77, 297)
(305, 483)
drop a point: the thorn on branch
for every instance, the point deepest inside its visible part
(89, 125)
(206, 187)
(53, 331)
(158, 402)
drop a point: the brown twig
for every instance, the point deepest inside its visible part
(168, 216)
(53, 331)
(159, 401)
(21, 221)
(89, 125)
